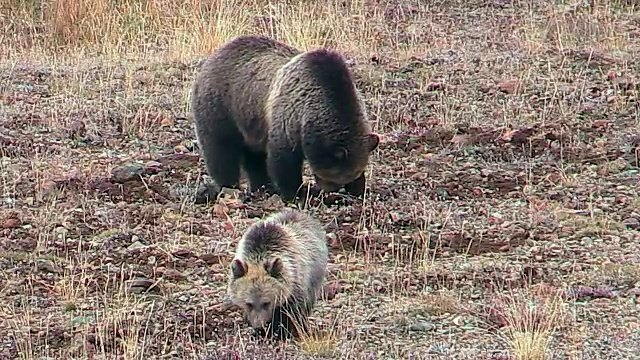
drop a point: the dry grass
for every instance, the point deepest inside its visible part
(509, 159)
(170, 29)
(530, 325)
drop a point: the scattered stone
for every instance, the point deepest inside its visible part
(231, 194)
(440, 349)
(211, 259)
(421, 326)
(584, 293)
(330, 290)
(48, 266)
(183, 253)
(171, 274)
(128, 172)
(433, 86)
(152, 167)
(179, 161)
(631, 223)
(136, 245)
(77, 130)
(510, 86)
(142, 285)
(484, 88)
(11, 223)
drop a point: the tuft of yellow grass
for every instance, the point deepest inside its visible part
(530, 323)
(320, 341)
(319, 344)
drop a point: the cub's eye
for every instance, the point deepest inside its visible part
(249, 305)
(265, 305)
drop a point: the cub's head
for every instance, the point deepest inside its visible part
(345, 164)
(258, 288)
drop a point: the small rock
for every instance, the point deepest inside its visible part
(254, 213)
(440, 349)
(181, 149)
(183, 253)
(421, 326)
(141, 285)
(221, 211)
(231, 194)
(48, 189)
(179, 161)
(273, 202)
(136, 245)
(433, 86)
(152, 166)
(167, 121)
(124, 173)
(11, 223)
(631, 223)
(48, 266)
(378, 286)
(484, 88)
(77, 130)
(635, 292)
(509, 86)
(171, 274)
(330, 291)
(211, 259)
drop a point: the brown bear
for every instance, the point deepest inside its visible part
(277, 273)
(267, 106)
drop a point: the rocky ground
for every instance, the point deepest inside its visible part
(504, 200)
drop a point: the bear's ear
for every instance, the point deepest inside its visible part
(274, 267)
(238, 268)
(372, 139)
(340, 154)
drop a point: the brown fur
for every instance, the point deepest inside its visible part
(267, 106)
(278, 271)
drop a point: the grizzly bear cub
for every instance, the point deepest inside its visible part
(267, 106)
(278, 272)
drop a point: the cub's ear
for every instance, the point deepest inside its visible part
(274, 267)
(238, 268)
(372, 139)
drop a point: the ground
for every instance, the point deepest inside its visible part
(502, 213)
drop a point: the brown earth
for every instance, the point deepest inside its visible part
(508, 175)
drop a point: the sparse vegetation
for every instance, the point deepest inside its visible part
(504, 210)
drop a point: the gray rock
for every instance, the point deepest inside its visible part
(124, 173)
(421, 326)
(631, 223)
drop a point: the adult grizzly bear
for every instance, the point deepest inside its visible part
(267, 106)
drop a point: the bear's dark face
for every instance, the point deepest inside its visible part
(344, 165)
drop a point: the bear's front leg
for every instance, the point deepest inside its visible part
(284, 164)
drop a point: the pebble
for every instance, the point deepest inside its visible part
(124, 173)
(136, 245)
(421, 326)
(631, 223)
